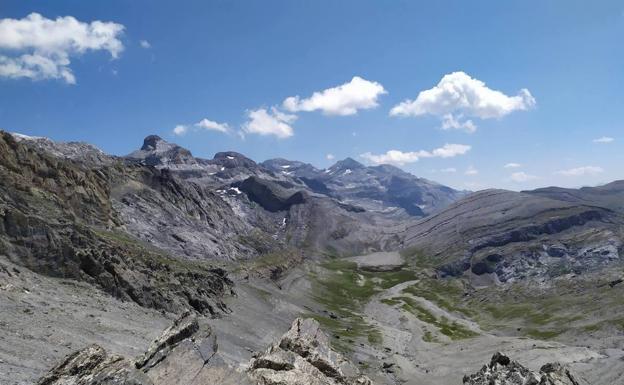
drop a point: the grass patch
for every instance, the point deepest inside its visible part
(543, 334)
(344, 290)
(447, 294)
(453, 330)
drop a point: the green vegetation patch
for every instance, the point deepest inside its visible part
(453, 330)
(344, 290)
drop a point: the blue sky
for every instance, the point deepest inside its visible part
(235, 62)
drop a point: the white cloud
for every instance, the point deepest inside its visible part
(450, 122)
(581, 171)
(521, 176)
(471, 171)
(449, 170)
(450, 150)
(273, 122)
(180, 129)
(211, 125)
(345, 99)
(204, 124)
(604, 139)
(512, 165)
(40, 48)
(330, 157)
(145, 44)
(458, 95)
(400, 158)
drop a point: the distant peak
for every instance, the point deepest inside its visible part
(150, 142)
(348, 163)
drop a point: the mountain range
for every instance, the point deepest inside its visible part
(405, 276)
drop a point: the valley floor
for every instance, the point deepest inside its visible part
(394, 335)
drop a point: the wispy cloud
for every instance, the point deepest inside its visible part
(471, 171)
(581, 171)
(204, 124)
(604, 139)
(180, 129)
(398, 157)
(145, 44)
(512, 165)
(521, 177)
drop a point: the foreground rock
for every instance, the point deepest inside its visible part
(187, 354)
(503, 371)
(303, 357)
(93, 365)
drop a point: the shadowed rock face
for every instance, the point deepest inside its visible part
(503, 371)
(376, 188)
(57, 218)
(269, 195)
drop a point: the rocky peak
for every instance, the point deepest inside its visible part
(346, 164)
(233, 159)
(150, 143)
(157, 152)
(303, 356)
(502, 370)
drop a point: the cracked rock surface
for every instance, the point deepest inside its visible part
(303, 356)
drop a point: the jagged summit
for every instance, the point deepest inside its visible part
(151, 142)
(232, 159)
(346, 164)
(157, 152)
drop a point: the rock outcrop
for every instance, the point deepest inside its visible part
(187, 353)
(511, 236)
(303, 357)
(93, 365)
(503, 371)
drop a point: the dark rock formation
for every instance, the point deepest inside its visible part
(269, 195)
(503, 371)
(57, 218)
